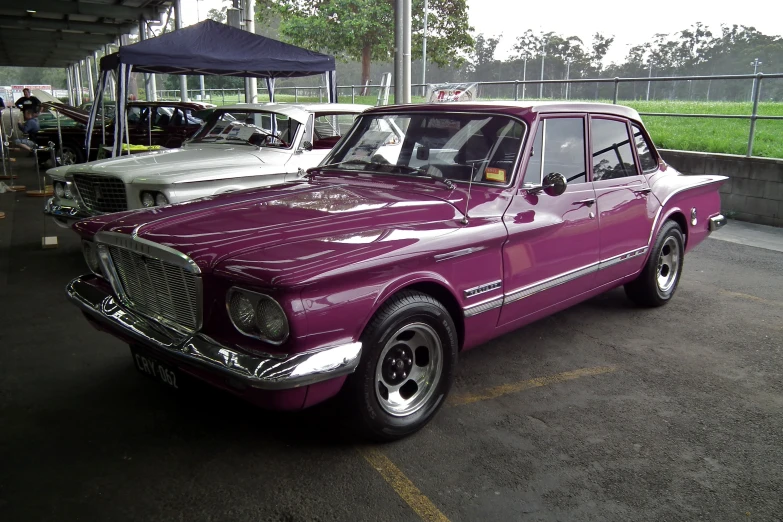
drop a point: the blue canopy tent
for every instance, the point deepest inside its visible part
(208, 48)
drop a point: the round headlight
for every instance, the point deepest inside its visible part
(271, 320)
(147, 199)
(68, 193)
(59, 189)
(160, 199)
(242, 312)
(90, 251)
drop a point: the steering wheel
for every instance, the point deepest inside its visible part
(270, 135)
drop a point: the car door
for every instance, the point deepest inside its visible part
(552, 248)
(625, 215)
(313, 143)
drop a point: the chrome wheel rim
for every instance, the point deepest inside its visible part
(668, 264)
(408, 369)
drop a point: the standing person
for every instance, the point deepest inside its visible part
(28, 103)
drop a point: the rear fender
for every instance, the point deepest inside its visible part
(690, 201)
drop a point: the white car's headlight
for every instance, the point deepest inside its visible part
(147, 199)
(59, 189)
(160, 199)
(90, 251)
(257, 315)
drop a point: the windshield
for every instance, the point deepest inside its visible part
(256, 128)
(456, 147)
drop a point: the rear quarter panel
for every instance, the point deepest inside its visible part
(679, 196)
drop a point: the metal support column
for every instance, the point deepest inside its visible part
(406, 51)
(69, 81)
(424, 54)
(183, 80)
(91, 85)
(398, 22)
(754, 114)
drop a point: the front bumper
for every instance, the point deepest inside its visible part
(262, 372)
(65, 212)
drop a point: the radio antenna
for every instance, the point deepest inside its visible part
(470, 185)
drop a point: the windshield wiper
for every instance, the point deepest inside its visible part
(420, 171)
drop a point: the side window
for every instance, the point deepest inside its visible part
(643, 150)
(563, 143)
(612, 154)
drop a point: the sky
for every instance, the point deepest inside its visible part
(630, 23)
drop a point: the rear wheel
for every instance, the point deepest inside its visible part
(658, 281)
(409, 353)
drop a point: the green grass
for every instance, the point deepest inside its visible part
(727, 136)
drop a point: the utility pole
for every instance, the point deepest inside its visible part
(183, 80)
(648, 81)
(524, 77)
(755, 63)
(424, 54)
(398, 30)
(568, 74)
(543, 56)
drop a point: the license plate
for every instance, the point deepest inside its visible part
(157, 370)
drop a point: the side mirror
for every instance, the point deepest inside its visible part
(554, 184)
(306, 145)
(423, 153)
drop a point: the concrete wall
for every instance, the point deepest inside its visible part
(754, 190)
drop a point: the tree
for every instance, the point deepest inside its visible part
(362, 29)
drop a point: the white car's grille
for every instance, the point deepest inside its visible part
(158, 288)
(101, 193)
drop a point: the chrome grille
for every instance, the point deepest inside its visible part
(158, 288)
(101, 193)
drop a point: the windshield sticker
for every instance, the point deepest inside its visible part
(495, 174)
(244, 133)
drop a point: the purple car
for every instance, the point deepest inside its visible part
(428, 230)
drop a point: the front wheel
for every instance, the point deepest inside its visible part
(658, 281)
(70, 155)
(409, 354)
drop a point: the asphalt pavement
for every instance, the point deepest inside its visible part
(602, 412)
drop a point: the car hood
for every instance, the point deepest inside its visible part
(165, 166)
(256, 230)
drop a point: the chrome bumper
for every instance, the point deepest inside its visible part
(263, 372)
(65, 212)
(717, 222)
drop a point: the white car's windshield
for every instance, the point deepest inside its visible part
(454, 147)
(256, 128)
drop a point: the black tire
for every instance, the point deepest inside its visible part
(421, 317)
(660, 277)
(70, 155)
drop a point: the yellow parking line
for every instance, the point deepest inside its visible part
(402, 485)
(505, 389)
(751, 297)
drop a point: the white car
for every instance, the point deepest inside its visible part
(238, 147)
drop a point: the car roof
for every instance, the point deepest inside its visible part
(518, 107)
(298, 111)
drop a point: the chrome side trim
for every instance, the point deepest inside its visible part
(456, 253)
(606, 263)
(717, 222)
(481, 289)
(257, 371)
(546, 284)
(484, 306)
(148, 248)
(557, 280)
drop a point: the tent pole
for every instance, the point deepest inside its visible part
(89, 77)
(183, 80)
(398, 22)
(406, 51)
(251, 84)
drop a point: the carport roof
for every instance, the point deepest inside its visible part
(57, 33)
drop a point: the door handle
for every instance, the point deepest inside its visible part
(589, 202)
(645, 190)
